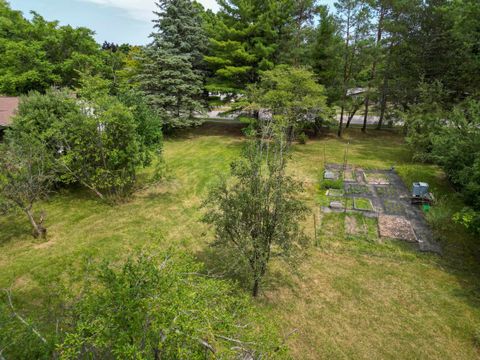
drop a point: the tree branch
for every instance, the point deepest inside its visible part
(22, 320)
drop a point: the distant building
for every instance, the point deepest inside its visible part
(8, 107)
(354, 92)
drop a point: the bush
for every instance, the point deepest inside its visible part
(302, 138)
(332, 184)
(151, 306)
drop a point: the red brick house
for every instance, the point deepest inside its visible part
(8, 106)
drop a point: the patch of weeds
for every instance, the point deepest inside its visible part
(362, 204)
(353, 189)
(361, 228)
(332, 184)
(393, 207)
(335, 192)
(386, 191)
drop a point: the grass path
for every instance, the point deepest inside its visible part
(352, 297)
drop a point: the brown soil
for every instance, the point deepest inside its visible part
(396, 227)
(351, 227)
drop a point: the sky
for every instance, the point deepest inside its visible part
(118, 21)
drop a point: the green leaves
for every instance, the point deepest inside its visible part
(163, 306)
(96, 140)
(37, 54)
(172, 73)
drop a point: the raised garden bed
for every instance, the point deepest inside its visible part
(377, 179)
(349, 175)
(393, 207)
(353, 189)
(335, 192)
(396, 227)
(362, 204)
(386, 191)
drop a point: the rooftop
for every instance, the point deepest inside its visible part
(8, 106)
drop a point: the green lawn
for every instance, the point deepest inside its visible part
(353, 296)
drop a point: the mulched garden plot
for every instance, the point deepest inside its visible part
(376, 179)
(396, 227)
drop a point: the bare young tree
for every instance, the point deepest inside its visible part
(26, 174)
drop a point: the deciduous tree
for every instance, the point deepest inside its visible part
(26, 175)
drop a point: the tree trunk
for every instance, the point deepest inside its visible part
(350, 116)
(256, 287)
(345, 74)
(374, 68)
(365, 116)
(340, 126)
(383, 106)
(38, 230)
(383, 101)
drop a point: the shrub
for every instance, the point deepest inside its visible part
(151, 306)
(332, 184)
(302, 138)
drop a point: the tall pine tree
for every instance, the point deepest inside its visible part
(172, 75)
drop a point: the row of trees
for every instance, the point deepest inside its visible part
(385, 48)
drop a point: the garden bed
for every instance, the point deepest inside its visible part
(362, 204)
(356, 189)
(396, 227)
(335, 192)
(376, 179)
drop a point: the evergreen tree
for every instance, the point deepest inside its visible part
(246, 37)
(325, 54)
(172, 73)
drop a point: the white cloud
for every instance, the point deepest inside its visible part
(142, 9)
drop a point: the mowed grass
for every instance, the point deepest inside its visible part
(352, 296)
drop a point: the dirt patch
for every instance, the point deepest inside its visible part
(396, 227)
(349, 175)
(351, 226)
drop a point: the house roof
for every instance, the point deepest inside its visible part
(8, 106)
(356, 91)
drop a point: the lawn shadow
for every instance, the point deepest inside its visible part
(13, 226)
(209, 128)
(228, 264)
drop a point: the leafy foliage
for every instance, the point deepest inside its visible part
(257, 212)
(150, 306)
(171, 70)
(26, 176)
(37, 54)
(292, 96)
(96, 140)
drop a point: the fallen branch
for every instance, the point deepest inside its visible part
(22, 320)
(207, 345)
(235, 340)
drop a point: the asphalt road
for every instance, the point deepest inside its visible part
(215, 115)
